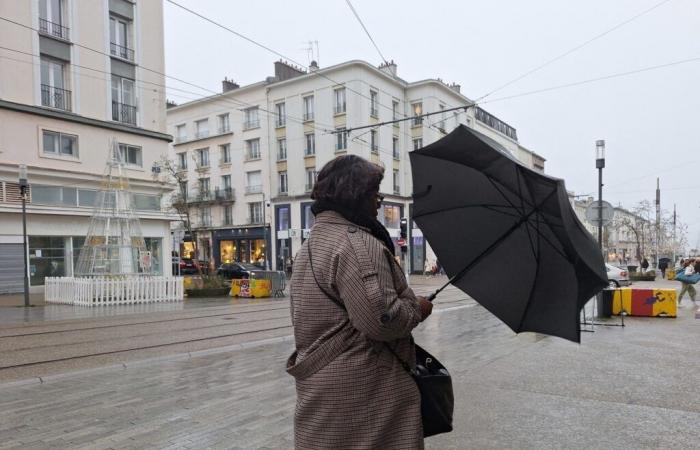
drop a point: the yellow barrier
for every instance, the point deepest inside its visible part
(251, 288)
(645, 302)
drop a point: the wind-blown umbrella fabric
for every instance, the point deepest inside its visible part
(508, 233)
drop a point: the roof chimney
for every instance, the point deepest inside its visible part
(228, 85)
(455, 87)
(388, 68)
(285, 71)
(313, 65)
(170, 104)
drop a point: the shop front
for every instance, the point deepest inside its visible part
(247, 245)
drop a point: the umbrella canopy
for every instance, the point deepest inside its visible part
(506, 235)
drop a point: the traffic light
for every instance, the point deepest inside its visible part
(404, 228)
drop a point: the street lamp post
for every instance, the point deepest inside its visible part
(600, 164)
(24, 188)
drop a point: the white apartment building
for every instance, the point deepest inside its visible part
(74, 75)
(251, 154)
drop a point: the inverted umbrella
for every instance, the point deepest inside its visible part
(505, 234)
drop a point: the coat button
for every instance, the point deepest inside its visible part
(352, 229)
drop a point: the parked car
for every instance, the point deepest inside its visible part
(237, 270)
(617, 277)
(188, 266)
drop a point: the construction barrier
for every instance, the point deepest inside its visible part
(644, 302)
(277, 279)
(251, 288)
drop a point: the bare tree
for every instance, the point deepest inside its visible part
(170, 173)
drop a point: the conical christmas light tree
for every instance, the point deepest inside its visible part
(114, 244)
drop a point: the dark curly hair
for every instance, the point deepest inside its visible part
(348, 180)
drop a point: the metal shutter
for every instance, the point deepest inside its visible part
(11, 268)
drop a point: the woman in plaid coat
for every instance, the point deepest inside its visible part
(350, 300)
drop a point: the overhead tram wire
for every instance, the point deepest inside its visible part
(592, 80)
(572, 50)
(215, 93)
(357, 16)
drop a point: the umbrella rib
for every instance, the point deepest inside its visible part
(534, 281)
(493, 183)
(491, 247)
(465, 206)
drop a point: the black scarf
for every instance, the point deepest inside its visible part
(359, 219)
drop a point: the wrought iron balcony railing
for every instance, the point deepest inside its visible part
(253, 189)
(53, 29)
(54, 97)
(122, 112)
(121, 51)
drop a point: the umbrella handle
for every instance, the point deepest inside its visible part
(432, 296)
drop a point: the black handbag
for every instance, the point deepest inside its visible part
(432, 378)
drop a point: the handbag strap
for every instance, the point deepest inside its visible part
(335, 300)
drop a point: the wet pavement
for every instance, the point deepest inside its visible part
(631, 387)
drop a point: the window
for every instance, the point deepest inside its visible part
(226, 182)
(281, 149)
(202, 157)
(181, 133)
(120, 38)
(204, 186)
(183, 189)
(281, 116)
(130, 155)
(145, 202)
(310, 148)
(228, 215)
(456, 117)
(53, 84)
(310, 178)
(225, 151)
(417, 112)
(251, 118)
(340, 106)
(51, 18)
(397, 189)
(253, 182)
(309, 107)
(374, 141)
(201, 128)
(255, 211)
(395, 147)
(443, 117)
(182, 161)
(373, 104)
(205, 217)
(224, 124)
(252, 149)
(395, 111)
(307, 217)
(390, 216)
(54, 195)
(282, 179)
(56, 143)
(49, 258)
(417, 143)
(341, 139)
(123, 100)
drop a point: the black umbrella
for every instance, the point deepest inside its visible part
(506, 235)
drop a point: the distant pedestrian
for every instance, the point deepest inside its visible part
(663, 265)
(645, 265)
(689, 269)
(352, 313)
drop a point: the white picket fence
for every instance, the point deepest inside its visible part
(98, 291)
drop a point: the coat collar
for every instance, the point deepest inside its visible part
(333, 217)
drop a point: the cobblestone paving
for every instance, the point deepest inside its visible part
(622, 388)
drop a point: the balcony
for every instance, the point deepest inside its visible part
(397, 190)
(124, 113)
(249, 125)
(254, 220)
(224, 129)
(375, 149)
(121, 52)
(339, 109)
(201, 134)
(257, 189)
(180, 139)
(202, 222)
(224, 194)
(54, 97)
(374, 112)
(283, 193)
(53, 29)
(309, 187)
(252, 156)
(309, 151)
(281, 122)
(308, 116)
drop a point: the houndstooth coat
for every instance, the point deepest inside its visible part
(351, 391)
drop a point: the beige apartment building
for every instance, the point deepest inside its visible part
(249, 156)
(75, 75)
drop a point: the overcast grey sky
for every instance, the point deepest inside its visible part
(650, 121)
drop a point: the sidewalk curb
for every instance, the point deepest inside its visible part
(145, 362)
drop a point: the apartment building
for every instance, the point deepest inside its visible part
(74, 76)
(249, 156)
